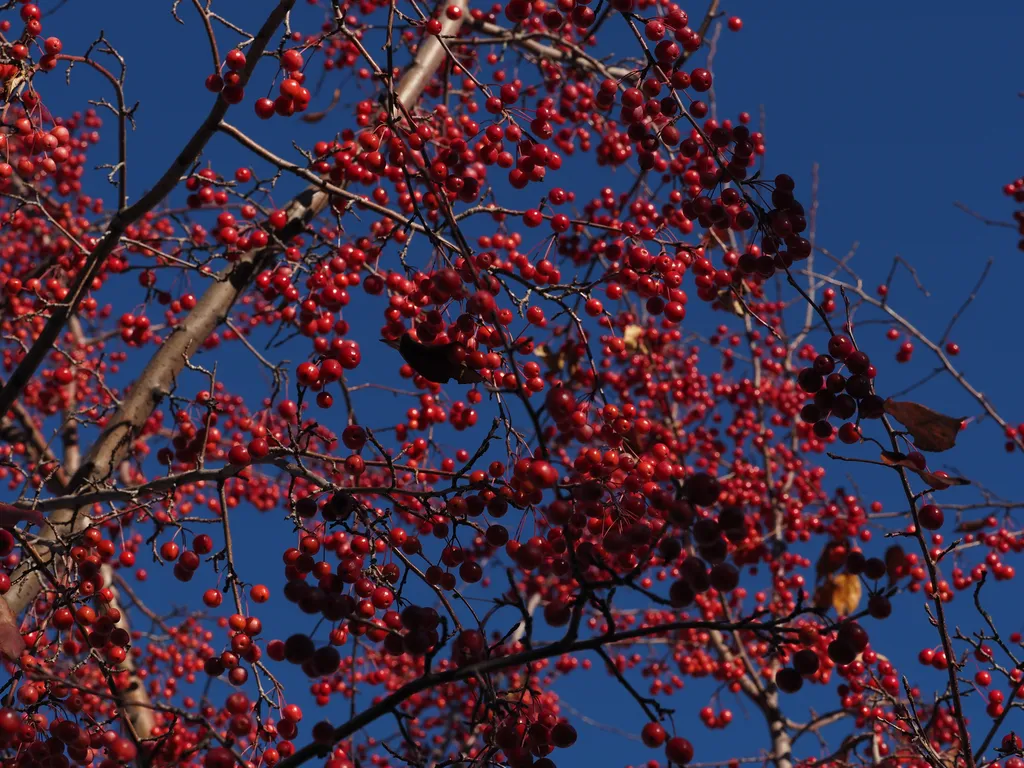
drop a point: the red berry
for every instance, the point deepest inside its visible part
(788, 680)
(239, 454)
(653, 734)
(291, 60)
(235, 59)
(678, 750)
(264, 108)
(840, 346)
(930, 517)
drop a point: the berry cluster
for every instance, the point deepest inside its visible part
(491, 423)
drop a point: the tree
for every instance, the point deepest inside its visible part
(608, 427)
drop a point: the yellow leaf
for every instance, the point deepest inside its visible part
(12, 85)
(633, 336)
(553, 361)
(823, 595)
(556, 362)
(846, 593)
(730, 303)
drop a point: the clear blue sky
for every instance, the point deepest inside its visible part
(906, 107)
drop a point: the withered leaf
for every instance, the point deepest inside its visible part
(931, 431)
(846, 593)
(848, 743)
(730, 303)
(565, 359)
(634, 440)
(11, 86)
(438, 363)
(11, 515)
(895, 458)
(894, 559)
(971, 526)
(316, 117)
(633, 335)
(11, 641)
(552, 360)
(519, 696)
(832, 558)
(941, 482)
(938, 481)
(823, 595)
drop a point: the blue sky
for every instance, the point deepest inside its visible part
(905, 107)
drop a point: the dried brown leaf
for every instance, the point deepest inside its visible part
(316, 117)
(894, 560)
(932, 431)
(439, 363)
(633, 335)
(556, 362)
(846, 593)
(10, 515)
(938, 481)
(11, 642)
(635, 441)
(971, 526)
(823, 595)
(832, 558)
(730, 303)
(551, 360)
(466, 375)
(11, 86)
